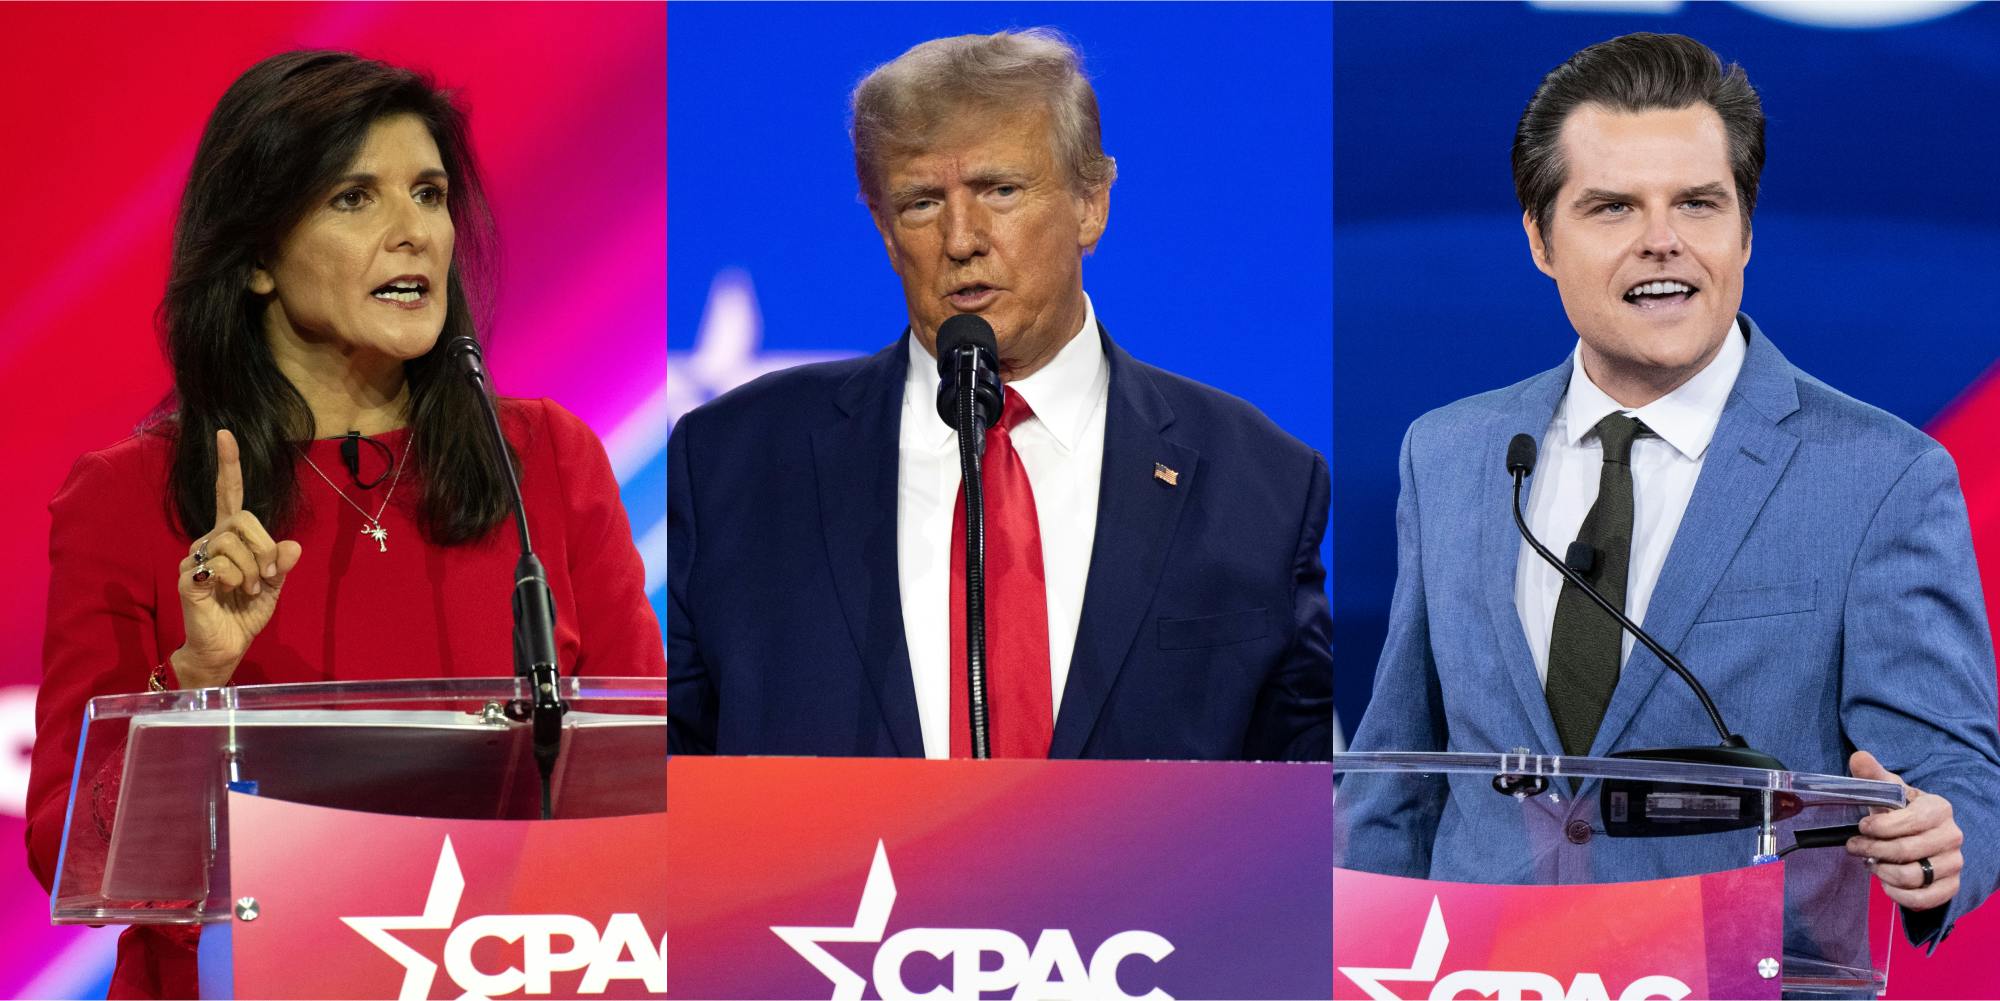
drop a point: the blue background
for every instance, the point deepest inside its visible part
(1216, 258)
(1875, 236)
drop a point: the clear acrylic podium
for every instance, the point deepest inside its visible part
(146, 837)
(1527, 819)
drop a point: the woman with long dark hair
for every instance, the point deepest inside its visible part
(314, 501)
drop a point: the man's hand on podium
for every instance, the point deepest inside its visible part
(1899, 843)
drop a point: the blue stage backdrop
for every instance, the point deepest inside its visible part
(1875, 232)
(1875, 246)
(1217, 259)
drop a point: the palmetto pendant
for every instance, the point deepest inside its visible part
(379, 534)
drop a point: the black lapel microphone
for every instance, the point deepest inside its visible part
(350, 456)
(1734, 750)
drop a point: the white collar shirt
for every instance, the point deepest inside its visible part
(1665, 466)
(1062, 449)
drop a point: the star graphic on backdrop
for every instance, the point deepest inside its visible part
(1423, 967)
(440, 910)
(728, 347)
(878, 895)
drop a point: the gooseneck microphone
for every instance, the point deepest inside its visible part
(969, 399)
(1734, 750)
(534, 606)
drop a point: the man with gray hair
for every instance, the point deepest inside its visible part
(1806, 556)
(1153, 583)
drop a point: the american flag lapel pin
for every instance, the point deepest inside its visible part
(1165, 475)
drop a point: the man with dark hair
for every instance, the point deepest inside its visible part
(1806, 555)
(1153, 580)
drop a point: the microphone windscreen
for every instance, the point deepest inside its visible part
(963, 330)
(1581, 557)
(464, 352)
(1521, 454)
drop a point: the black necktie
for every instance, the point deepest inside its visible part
(1585, 644)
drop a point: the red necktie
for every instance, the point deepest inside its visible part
(1020, 710)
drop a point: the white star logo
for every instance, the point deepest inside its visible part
(870, 919)
(440, 910)
(1423, 966)
(727, 348)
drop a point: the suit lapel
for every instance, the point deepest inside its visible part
(855, 458)
(1743, 464)
(1530, 411)
(1136, 516)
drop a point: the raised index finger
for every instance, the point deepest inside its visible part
(228, 476)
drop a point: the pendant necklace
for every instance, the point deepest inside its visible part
(373, 529)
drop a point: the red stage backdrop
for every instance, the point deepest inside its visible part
(104, 104)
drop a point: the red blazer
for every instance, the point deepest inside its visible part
(349, 610)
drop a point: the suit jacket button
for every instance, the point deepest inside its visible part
(1578, 831)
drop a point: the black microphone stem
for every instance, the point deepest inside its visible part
(971, 443)
(534, 606)
(971, 398)
(1707, 704)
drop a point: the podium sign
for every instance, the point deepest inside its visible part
(142, 842)
(849, 878)
(1578, 877)
(1717, 935)
(342, 904)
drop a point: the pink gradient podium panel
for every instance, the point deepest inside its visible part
(795, 878)
(1716, 935)
(361, 905)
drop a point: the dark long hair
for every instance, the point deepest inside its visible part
(279, 138)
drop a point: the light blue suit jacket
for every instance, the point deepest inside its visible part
(1821, 585)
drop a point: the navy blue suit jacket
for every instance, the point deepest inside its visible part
(1205, 626)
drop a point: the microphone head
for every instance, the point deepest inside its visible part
(965, 330)
(464, 352)
(1581, 557)
(969, 338)
(1521, 455)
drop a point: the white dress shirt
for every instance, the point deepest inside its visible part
(1664, 470)
(1062, 448)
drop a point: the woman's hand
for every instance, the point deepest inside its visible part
(233, 601)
